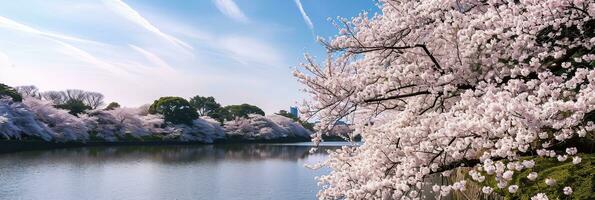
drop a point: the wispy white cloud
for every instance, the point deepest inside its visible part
(129, 13)
(304, 14)
(248, 50)
(11, 24)
(87, 57)
(61, 39)
(245, 49)
(154, 59)
(230, 9)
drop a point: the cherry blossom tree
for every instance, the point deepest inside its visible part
(117, 123)
(258, 127)
(17, 122)
(63, 126)
(435, 85)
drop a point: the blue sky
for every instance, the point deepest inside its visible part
(134, 51)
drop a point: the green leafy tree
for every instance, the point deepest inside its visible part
(174, 109)
(74, 107)
(112, 105)
(204, 105)
(221, 115)
(6, 90)
(242, 110)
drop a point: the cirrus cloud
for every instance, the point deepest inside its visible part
(231, 10)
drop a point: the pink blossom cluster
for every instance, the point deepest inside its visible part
(432, 86)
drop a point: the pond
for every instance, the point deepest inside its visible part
(238, 171)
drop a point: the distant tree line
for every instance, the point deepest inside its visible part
(176, 110)
(179, 110)
(74, 100)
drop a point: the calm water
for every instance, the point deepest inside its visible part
(243, 171)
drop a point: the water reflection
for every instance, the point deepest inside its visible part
(243, 171)
(175, 154)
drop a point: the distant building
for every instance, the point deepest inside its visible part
(294, 111)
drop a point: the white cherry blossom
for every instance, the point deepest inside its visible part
(576, 160)
(567, 190)
(451, 83)
(513, 188)
(532, 176)
(550, 181)
(540, 196)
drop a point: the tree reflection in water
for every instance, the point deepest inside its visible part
(177, 154)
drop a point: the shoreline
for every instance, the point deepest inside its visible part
(14, 146)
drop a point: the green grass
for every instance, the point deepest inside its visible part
(580, 177)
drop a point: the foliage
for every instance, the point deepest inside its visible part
(208, 106)
(293, 129)
(242, 111)
(74, 107)
(566, 174)
(112, 105)
(435, 85)
(35, 118)
(39, 119)
(201, 129)
(174, 109)
(305, 124)
(6, 90)
(221, 115)
(62, 125)
(204, 105)
(16, 121)
(120, 123)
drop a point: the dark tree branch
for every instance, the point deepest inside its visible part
(397, 96)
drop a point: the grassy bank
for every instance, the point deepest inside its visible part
(580, 177)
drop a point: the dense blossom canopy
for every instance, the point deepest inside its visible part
(40, 119)
(435, 85)
(258, 127)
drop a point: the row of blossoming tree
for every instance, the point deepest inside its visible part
(77, 115)
(488, 87)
